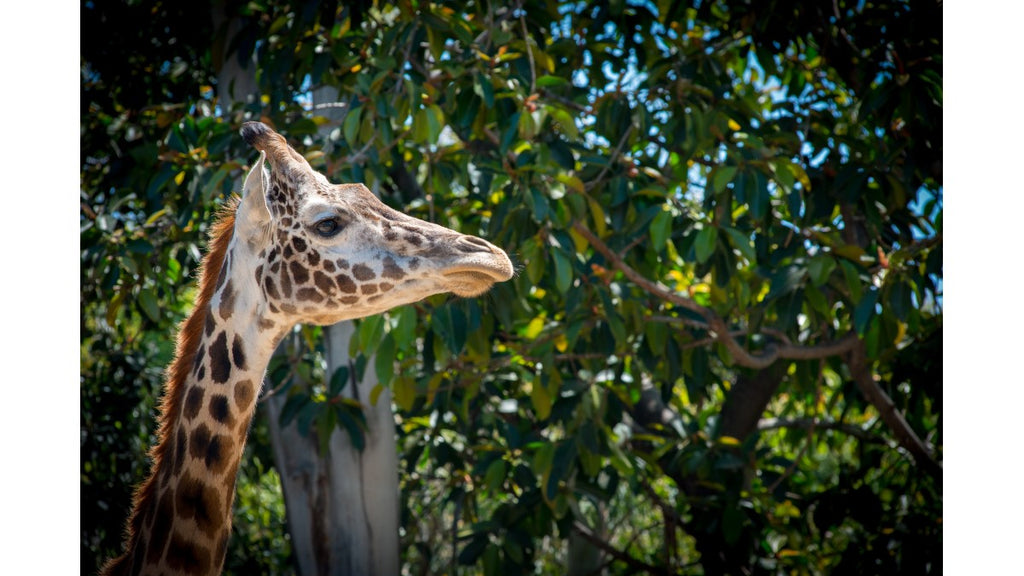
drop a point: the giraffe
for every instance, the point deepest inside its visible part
(293, 249)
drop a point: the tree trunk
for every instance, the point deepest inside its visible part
(342, 506)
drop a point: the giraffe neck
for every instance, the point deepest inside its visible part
(181, 517)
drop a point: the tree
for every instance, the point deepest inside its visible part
(721, 354)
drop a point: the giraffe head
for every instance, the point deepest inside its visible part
(323, 252)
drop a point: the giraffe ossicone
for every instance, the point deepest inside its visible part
(294, 249)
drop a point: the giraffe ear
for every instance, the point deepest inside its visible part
(253, 211)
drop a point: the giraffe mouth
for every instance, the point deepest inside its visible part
(470, 281)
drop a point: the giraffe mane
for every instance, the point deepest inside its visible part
(190, 333)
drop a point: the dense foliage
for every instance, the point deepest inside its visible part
(722, 352)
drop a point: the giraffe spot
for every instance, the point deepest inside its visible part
(227, 301)
(161, 527)
(350, 299)
(211, 325)
(200, 502)
(193, 402)
(313, 259)
(414, 239)
(299, 244)
(288, 308)
(187, 557)
(272, 256)
(368, 288)
(309, 295)
(259, 274)
(265, 324)
(323, 282)
(345, 284)
(270, 288)
(244, 394)
(220, 366)
(373, 299)
(199, 441)
(180, 450)
(287, 252)
(363, 272)
(299, 272)
(218, 456)
(385, 286)
(414, 263)
(275, 267)
(331, 304)
(392, 270)
(329, 266)
(390, 235)
(213, 449)
(286, 222)
(200, 358)
(343, 264)
(238, 352)
(220, 410)
(286, 282)
(273, 308)
(202, 372)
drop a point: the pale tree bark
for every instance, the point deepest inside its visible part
(342, 505)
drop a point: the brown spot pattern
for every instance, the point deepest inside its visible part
(227, 301)
(363, 272)
(345, 284)
(220, 366)
(238, 352)
(201, 502)
(392, 270)
(244, 393)
(193, 402)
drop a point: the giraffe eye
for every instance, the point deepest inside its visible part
(327, 227)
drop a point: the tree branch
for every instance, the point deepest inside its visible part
(716, 325)
(863, 376)
(613, 551)
(806, 424)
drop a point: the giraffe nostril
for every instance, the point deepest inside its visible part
(473, 244)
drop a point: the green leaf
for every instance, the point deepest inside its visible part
(704, 245)
(495, 476)
(865, 310)
(338, 382)
(820, 268)
(742, 243)
(758, 195)
(564, 455)
(371, 329)
(384, 360)
(470, 552)
(853, 281)
(722, 176)
(563, 270)
(404, 331)
(548, 81)
(350, 127)
(661, 227)
(148, 304)
(403, 390)
(541, 400)
(356, 432)
(291, 408)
